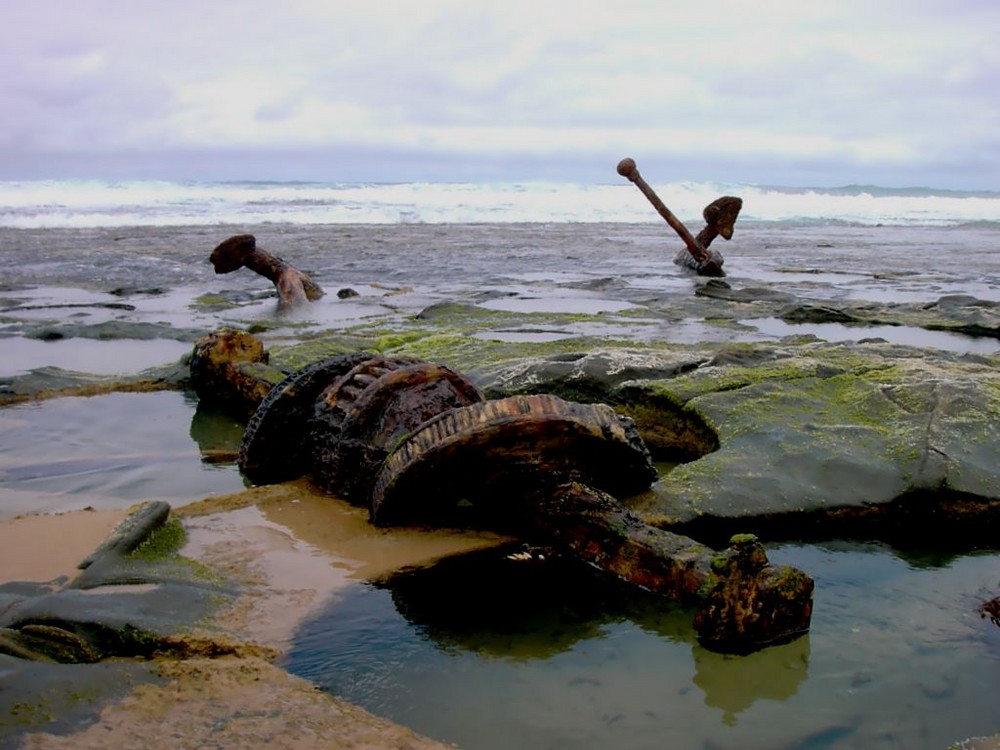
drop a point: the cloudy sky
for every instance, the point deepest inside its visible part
(794, 92)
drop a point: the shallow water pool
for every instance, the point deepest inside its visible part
(113, 450)
(100, 357)
(489, 652)
(906, 335)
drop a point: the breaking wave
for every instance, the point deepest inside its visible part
(95, 203)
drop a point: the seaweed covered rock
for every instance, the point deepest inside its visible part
(793, 439)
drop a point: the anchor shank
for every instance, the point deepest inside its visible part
(627, 169)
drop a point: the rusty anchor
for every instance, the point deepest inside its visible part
(720, 217)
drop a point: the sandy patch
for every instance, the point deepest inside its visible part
(45, 547)
(294, 549)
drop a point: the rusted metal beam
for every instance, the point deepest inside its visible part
(742, 602)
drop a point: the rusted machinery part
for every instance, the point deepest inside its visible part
(747, 603)
(231, 254)
(294, 286)
(991, 609)
(712, 266)
(369, 410)
(338, 395)
(221, 370)
(597, 528)
(275, 439)
(501, 451)
(705, 263)
(742, 602)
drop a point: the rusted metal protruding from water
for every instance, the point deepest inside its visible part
(493, 454)
(276, 441)
(225, 370)
(706, 263)
(720, 219)
(294, 287)
(991, 609)
(363, 416)
(418, 443)
(742, 602)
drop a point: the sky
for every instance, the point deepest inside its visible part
(818, 93)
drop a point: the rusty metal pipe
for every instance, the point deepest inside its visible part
(627, 169)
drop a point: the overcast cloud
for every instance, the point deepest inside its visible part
(825, 92)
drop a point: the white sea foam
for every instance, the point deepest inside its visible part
(93, 203)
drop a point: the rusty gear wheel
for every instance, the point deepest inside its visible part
(365, 413)
(275, 438)
(501, 451)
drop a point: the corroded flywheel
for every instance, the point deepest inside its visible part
(501, 451)
(275, 439)
(361, 416)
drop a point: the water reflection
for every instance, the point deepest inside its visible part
(511, 604)
(104, 451)
(217, 434)
(907, 335)
(488, 653)
(733, 683)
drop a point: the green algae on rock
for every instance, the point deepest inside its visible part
(793, 430)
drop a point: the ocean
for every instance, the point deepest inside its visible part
(43, 204)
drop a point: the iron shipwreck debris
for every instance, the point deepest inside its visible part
(418, 443)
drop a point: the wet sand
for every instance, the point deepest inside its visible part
(293, 549)
(234, 703)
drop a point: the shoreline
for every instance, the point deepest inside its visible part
(290, 550)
